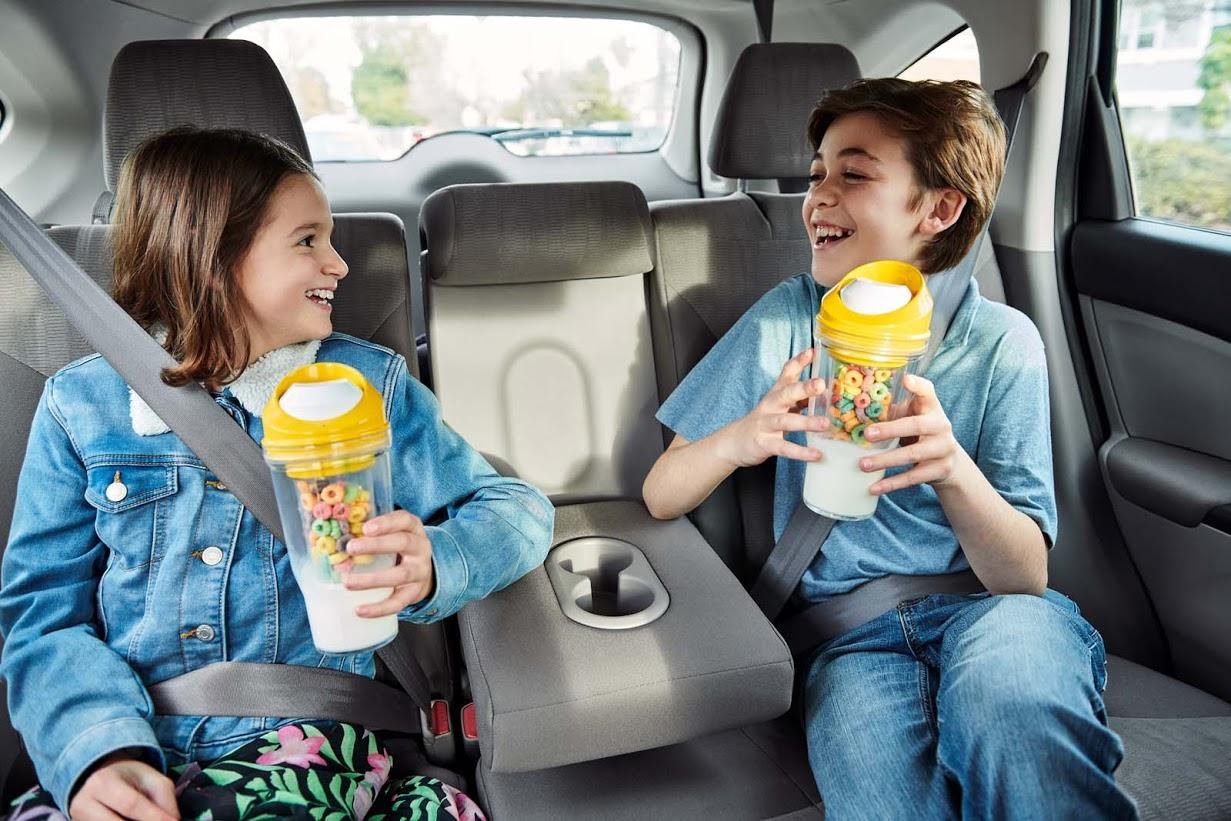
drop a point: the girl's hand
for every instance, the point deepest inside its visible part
(412, 577)
(927, 442)
(122, 787)
(760, 434)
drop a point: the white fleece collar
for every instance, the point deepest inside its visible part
(252, 389)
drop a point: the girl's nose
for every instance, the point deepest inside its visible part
(335, 265)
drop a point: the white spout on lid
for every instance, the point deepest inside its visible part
(869, 297)
(317, 401)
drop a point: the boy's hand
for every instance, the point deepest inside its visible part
(121, 787)
(412, 577)
(927, 442)
(759, 435)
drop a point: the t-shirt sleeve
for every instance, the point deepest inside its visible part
(1014, 450)
(740, 368)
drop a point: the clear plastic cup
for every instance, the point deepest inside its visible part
(867, 340)
(326, 443)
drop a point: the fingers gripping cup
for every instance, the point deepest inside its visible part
(326, 442)
(871, 330)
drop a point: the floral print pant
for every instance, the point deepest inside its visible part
(327, 772)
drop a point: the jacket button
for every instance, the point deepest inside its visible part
(211, 555)
(204, 633)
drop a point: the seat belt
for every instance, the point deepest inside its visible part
(807, 531)
(234, 689)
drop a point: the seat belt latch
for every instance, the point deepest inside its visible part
(437, 723)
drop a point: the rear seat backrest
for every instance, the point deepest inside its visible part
(539, 330)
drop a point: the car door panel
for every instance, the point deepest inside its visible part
(1156, 312)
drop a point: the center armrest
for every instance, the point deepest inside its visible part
(550, 691)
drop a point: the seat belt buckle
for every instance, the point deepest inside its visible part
(470, 731)
(439, 745)
(436, 723)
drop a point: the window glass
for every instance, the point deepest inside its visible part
(955, 59)
(369, 88)
(1173, 83)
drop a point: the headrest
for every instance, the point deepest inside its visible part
(503, 233)
(156, 85)
(760, 130)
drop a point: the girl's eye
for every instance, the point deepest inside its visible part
(816, 177)
(853, 176)
(307, 241)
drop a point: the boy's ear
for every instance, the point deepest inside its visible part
(944, 207)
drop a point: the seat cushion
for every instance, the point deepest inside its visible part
(752, 773)
(1176, 766)
(1176, 741)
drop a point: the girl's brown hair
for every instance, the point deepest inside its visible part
(188, 207)
(954, 139)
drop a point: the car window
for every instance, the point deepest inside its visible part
(957, 58)
(1173, 83)
(369, 88)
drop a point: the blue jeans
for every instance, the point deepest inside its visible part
(965, 706)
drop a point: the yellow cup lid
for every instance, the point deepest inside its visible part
(885, 339)
(323, 419)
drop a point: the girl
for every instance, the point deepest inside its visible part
(222, 249)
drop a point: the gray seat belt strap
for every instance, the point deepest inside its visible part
(190, 411)
(841, 614)
(806, 531)
(259, 690)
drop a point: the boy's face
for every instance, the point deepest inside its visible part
(858, 207)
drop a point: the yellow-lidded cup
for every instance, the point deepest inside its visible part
(326, 441)
(872, 329)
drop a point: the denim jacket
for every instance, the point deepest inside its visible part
(102, 597)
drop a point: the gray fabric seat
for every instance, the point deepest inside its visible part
(155, 86)
(714, 258)
(710, 275)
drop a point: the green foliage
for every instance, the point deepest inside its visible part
(1181, 181)
(1215, 80)
(379, 86)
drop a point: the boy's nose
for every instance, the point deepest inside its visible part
(822, 195)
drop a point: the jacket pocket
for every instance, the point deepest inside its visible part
(130, 519)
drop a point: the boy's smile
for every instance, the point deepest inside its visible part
(863, 202)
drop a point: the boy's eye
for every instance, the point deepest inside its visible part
(307, 241)
(853, 175)
(816, 176)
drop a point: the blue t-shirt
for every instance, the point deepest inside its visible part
(991, 379)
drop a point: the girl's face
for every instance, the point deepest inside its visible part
(291, 272)
(858, 207)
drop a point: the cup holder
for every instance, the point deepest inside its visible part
(606, 583)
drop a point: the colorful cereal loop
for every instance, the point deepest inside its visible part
(857, 435)
(332, 493)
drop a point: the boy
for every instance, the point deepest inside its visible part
(982, 705)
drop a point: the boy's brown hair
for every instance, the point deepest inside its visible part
(954, 139)
(188, 207)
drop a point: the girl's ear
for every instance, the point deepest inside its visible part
(944, 208)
